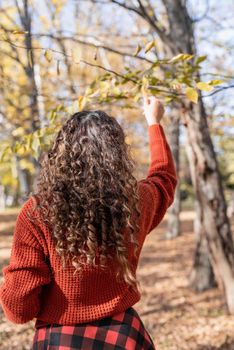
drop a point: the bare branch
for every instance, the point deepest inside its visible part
(219, 90)
(127, 7)
(152, 21)
(96, 46)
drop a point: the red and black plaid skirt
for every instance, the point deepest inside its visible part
(124, 330)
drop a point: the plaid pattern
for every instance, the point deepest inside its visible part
(124, 330)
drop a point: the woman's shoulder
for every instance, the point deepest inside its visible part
(29, 205)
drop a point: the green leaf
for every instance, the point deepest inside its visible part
(29, 140)
(138, 49)
(168, 99)
(200, 59)
(149, 46)
(52, 115)
(187, 57)
(191, 94)
(215, 82)
(5, 152)
(204, 86)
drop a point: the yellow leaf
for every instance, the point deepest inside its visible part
(138, 49)
(7, 150)
(149, 46)
(3, 37)
(58, 67)
(18, 131)
(215, 82)
(168, 99)
(94, 93)
(30, 58)
(187, 56)
(35, 144)
(181, 57)
(191, 94)
(137, 97)
(22, 150)
(204, 86)
(81, 102)
(19, 32)
(48, 55)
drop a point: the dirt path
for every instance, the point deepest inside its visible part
(176, 318)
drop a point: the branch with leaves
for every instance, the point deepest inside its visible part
(172, 79)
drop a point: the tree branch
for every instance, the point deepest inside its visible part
(96, 46)
(218, 90)
(151, 21)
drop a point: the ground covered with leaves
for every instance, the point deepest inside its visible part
(176, 317)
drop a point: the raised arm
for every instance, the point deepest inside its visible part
(157, 190)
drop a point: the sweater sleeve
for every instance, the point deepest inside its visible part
(157, 190)
(26, 273)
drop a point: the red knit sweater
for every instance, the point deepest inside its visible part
(35, 284)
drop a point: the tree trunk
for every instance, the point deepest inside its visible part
(208, 185)
(178, 37)
(26, 22)
(202, 276)
(173, 133)
(210, 194)
(2, 197)
(23, 176)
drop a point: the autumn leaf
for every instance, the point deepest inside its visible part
(18, 131)
(35, 144)
(181, 57)
(7, 150)
(200, 59)
(204, 86)
(138, 49)
(191, 94)
(149, 46)
(48, 55)
(81, 102)
(58, 67)
(19, 32)
(30, 58)
(215, 82)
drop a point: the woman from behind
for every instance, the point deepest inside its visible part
(77, 241)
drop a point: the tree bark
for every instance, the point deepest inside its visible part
(178, 37)
(210, 194)
(26, 22)
(173, 43)
(207, 178)
(173, 133)
(202, 276)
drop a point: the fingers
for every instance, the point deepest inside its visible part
(147, 100)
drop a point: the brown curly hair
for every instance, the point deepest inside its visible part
(88, 194)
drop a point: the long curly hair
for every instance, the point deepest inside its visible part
(88, 194)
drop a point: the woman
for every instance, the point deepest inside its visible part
(77, 242)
